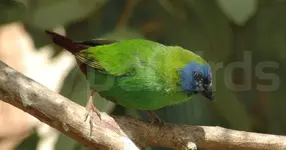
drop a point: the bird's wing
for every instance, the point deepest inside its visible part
(89, 61)
(85, 58)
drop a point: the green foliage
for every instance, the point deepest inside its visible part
(11, 11)
(30, 143)
(238, 11)
(221, 31)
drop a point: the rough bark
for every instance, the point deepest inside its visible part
(108, 133)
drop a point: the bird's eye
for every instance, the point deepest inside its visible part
(198, 76)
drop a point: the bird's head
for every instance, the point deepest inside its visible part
(197, 78)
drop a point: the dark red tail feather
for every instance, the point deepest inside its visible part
(66, 43)
(76, 46)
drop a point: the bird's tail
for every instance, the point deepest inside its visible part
(66, 43)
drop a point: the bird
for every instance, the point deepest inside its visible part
(139, 73)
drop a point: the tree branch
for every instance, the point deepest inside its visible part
(59, 112)
(68, 117)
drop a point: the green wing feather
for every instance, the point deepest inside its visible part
(121, 57)
(84, 58)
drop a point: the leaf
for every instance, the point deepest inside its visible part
(228, 104)
(268, 29)
(265, 36)
(46, 14)
(239, 11)
(209, 32)
(97, 24)
(65, 142)
(29, 143)
(123, 34)
(11, 11)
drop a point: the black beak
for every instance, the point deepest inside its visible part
(208, 92)
(204, 86)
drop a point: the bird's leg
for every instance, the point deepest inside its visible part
(155, 119)
(90, 108)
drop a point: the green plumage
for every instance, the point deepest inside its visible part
(140, 74)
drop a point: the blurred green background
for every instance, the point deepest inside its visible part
(222, 31)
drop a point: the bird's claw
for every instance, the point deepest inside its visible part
(155, 119)
(89, 114)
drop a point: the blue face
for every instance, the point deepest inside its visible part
(197, 78)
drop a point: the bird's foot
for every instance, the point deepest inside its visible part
(90, 109)
(154, 118)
